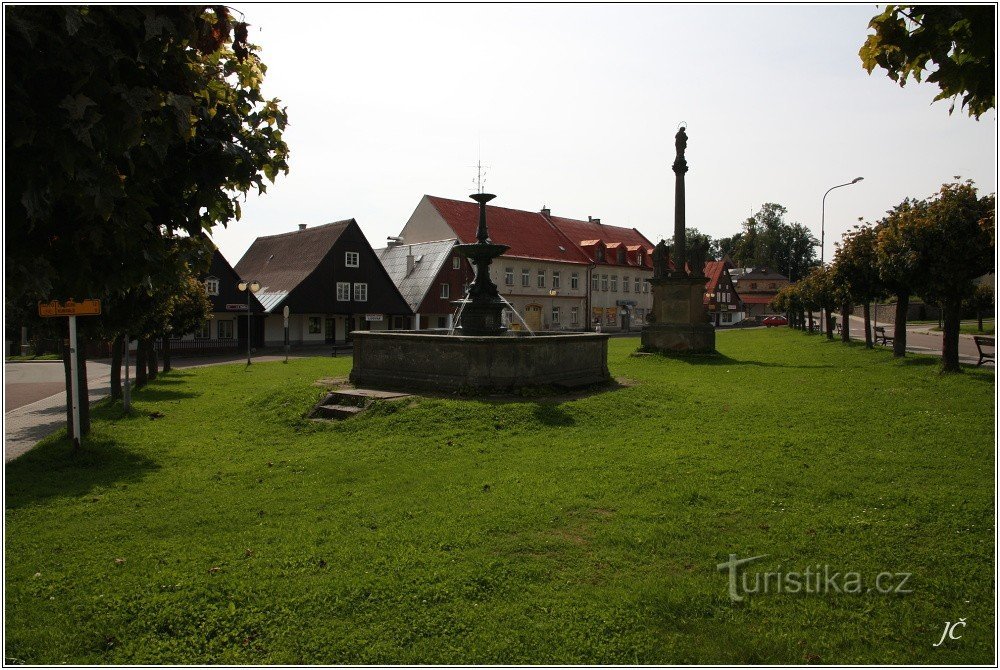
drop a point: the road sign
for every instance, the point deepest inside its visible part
(90, 307)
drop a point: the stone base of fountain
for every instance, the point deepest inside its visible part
(412, 360)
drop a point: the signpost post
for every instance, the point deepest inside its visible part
(72, 309)
(285, 312)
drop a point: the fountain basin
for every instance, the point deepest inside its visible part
(414, 360)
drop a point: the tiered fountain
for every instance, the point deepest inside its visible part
(479, 357)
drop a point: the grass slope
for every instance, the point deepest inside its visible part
(231, 530)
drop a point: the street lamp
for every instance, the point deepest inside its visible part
(249, 287)
(822, 225)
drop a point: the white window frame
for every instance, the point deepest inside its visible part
(227, 324)
(574, 315)
(352, 259)
(604, 282)
(555, 315)
(614, 283)
(540, 281)
(508, 276)
(212, 286)
(343, 291)
(625, 284)
(555, 279)
(525, 277)
(574, 281)
(638, 284)
(595, 282)
(445, 291)
(360, 292)
(318, 321)
(456, 263)
(205, 332)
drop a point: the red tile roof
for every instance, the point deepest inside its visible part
(757, 299)
(588, 231)
(528, 234)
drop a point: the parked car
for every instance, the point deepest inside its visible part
(775, 320)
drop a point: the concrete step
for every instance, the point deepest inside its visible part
(336, 411)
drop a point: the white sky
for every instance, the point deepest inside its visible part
(575, 107)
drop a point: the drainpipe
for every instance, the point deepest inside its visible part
(587, 316)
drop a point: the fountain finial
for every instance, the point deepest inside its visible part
(483, 233)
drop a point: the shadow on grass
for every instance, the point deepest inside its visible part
(54, 469)
(154, 394)
(722, 359)
(552, 415)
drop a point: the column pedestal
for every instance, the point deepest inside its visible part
(679, 319)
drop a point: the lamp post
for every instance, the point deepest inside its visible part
(822, 225)
(249, 287)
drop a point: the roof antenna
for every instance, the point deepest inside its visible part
(481, 170)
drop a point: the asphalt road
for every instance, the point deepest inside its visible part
(29, 382)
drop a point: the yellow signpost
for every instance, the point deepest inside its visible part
(72, 309)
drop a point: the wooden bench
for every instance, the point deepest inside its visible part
(880, 335)
(984, 356)
(345, 348)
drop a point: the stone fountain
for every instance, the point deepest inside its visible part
(481, 357)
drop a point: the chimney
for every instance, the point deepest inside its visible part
(593, 220)
(546, 211)
(410, 262)
(302, 226)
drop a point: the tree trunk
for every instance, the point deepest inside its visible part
(151, 358)
(166, 353)
(899, 330)
(949, 343)
(810, 317)
(869, 342)
(845, 325)
(802, 320)
(829, 324)
(140, 364)
(116, 367)
(979, 318)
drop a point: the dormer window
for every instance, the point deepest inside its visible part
(212, 286)
(599, 254)
(642, 257)
(621, 256)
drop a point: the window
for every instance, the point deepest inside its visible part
(621, 256)
(445, 290)
(599, 254)
(226, 330)
(727, 317)
(315, 325)
(614, 283)
(212, 286)
(604, 282)
(442, 322)
(541, 279)
(343, 291)
(595, 282)
(204, 331)
(574, 315)
(456, 263)
(361, 292)
(351, 259)
(642, 257)
(574, 281)
(555, 316)
(645, 287)
(525, 277)
(638, 285)
(625, 284)
(555, 279)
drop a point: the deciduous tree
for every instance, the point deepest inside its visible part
(953, 46)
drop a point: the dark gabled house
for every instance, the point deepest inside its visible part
(227, 328)
(330, 279)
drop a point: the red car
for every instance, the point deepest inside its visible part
(775, 320)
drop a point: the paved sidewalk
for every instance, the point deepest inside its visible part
(25, 426)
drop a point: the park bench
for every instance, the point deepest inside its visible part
(881, 336)
(984, 356)
(839, 330)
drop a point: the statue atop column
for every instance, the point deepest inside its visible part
(661, 260)
(680, 167)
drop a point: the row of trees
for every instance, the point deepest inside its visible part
(131, 132)
(935, 248)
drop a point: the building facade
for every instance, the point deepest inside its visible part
(757, 287)
(722, 300)
(330, 279)
(432, 277)
(550, 278)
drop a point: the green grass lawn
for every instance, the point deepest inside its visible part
(972, 328)
(42, 357)
(232, 530)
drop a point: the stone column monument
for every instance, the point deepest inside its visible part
(679, 321)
